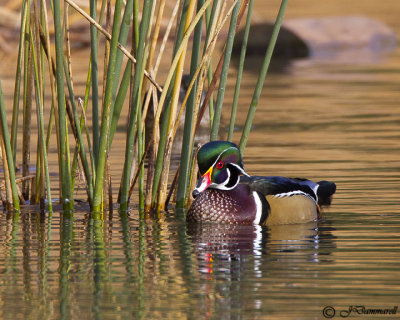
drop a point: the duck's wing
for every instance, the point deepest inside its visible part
(281, 186)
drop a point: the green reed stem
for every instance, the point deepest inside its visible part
(79, 137)
(210, 22)
(120, 99)
(45, 41)
(83, 126)
(240, 70)
(14, 125)
(41, 126)
(165, 95)
(9, 154)
(37, 193)
(135, 25)
(95, 84)
(63, 165)
(140, 132)
(181, 27)
(123, 37)
(27, 113)
(140, 146)
(189, 23)
(224, 73)
(115, 110)
(262, 75)
(161, 147)
(37, 65)
(105, 122)
(92, 81)
(165, 103)
(187, 142)
(135, 103)
(67, 57)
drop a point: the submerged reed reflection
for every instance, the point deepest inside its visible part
(99, 263)
(65, 265)
(11, 242)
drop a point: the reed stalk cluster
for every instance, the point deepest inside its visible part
(130, 81)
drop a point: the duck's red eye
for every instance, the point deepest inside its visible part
(219, 165)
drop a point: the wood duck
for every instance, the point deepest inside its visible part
(227, 194)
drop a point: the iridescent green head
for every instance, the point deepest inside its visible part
(214, 151)
(220, 165)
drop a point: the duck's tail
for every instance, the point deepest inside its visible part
(324, 192)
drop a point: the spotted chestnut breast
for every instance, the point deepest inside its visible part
(227, 194)
(238, 206)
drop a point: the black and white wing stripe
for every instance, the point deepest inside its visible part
(282, 187)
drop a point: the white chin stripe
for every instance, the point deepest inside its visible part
(293, 193)
(222, 185)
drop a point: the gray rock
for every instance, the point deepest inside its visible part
(345, 37)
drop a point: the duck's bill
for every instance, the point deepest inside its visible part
(203, 183)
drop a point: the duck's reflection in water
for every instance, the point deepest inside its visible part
(224, 248)
(239, 264)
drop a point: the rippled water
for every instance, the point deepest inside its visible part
(124, 268)
(318, 119)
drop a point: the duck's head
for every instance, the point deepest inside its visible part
(220, 166)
